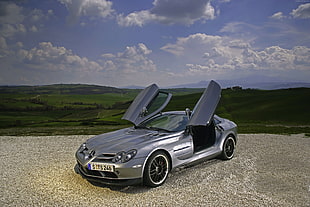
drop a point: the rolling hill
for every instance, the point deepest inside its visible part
(95, 108)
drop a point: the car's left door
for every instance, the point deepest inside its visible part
(205, 107)
(201, 124)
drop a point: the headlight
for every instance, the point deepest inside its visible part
(129, 155)
(82, 147)
(118, 157)
(124, 156)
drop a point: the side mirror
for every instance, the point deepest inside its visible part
(144, 111)
(188, 113)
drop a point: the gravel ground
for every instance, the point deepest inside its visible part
(268, 170)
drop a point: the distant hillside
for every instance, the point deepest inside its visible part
(251, 105)
(65, 108)
(266, 85)
(61, 89)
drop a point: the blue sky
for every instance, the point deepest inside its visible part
(168, 42)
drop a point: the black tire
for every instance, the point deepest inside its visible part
(156, 169)
(228, 148)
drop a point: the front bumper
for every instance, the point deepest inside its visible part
(128, 173)
(96, 176)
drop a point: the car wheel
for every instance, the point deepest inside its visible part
(228, 148)
(156, 169)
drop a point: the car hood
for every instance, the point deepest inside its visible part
(123, 140)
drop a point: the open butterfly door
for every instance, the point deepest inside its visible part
(206, 106)
(148, 103)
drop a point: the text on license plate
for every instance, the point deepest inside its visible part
(100, 167)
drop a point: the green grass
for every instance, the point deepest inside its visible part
(287, 106)
(60, 89)
(90, 108)
(283, 111)
(253, 128)
(59, 130)
(61, 101)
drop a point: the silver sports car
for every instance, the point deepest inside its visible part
(159, 141)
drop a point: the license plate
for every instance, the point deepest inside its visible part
(100, 167)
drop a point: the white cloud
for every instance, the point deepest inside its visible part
(9, 30)
(3, 47)
(281, 33)
(88, 8)
(47, 63)
(108, 55)
(278, 15)
(47, 57)
(15, 19)
(170, 12)
(133, 59)
(239, 27)
(33, 29)
(19, 44)
(36, 15)
(192, 41)
(136, 18)
(10, 13)
(11, 19)
(50, 12)
(3, 44)
(207, 53)
(302, 12)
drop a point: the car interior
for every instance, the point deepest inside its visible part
(203, 136)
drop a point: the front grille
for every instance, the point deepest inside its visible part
(106, 157)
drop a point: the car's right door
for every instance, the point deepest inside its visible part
(148, 103)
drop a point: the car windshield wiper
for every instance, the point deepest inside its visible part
(141, 127)
(152, 128)
(158, 129)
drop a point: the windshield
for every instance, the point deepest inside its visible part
(166, 122)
